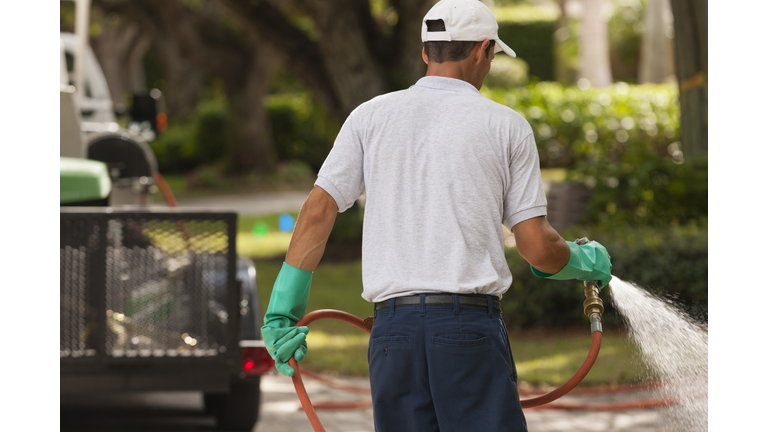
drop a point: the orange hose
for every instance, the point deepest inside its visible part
(166, 190)
(309, 409)
(171, 200)
(597, 338)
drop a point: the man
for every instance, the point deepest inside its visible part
(442, 169)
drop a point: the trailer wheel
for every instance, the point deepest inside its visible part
(239, 409)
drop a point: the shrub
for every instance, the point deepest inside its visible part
(507, 72)
(670, 262)
(574, 126)
(529, 31)
(622, 142)
(301, 129)
(202, 139)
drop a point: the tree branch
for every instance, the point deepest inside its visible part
(299, 54)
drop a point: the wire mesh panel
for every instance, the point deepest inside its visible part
(165, 284)
(78, 319)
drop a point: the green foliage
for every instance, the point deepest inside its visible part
(348, 225)
(529, 31)
(622, 142)
(652, 191)
(301, 129)
(670, 262)
(292, 172)
(625, 29)
(507, 72)
(573, 126)
(203, 139)
(567, 52)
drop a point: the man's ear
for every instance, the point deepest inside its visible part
(424, 56)
(481, 47)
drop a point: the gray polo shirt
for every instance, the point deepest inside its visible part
(442, 168)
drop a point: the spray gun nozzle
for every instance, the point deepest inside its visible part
(593, 306)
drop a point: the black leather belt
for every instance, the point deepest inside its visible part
(440, 299)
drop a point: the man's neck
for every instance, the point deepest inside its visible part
(449, 69)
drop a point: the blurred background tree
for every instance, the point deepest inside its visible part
(691, 55)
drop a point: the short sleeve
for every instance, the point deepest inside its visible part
(524, 196)
(342, 172)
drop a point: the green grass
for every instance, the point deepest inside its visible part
(270, 243)
(541, 362)
(543, 357)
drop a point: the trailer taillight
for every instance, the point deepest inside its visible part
(256, 361)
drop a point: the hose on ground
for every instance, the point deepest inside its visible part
(309, 409)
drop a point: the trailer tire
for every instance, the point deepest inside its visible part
(237, 410)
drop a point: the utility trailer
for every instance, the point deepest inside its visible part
(159, 301)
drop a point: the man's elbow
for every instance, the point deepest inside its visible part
(548, 259)
(319, 209)
(538, 258)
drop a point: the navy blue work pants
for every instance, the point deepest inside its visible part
(443, 368)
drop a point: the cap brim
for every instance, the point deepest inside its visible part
(501, 46)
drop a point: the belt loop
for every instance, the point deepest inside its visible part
(490, 306)
(422, 305)
(455, 304)
(392, 307)
(375, 312)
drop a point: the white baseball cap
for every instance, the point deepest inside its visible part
(465, 20)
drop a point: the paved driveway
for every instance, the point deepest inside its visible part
(250, 204)
(281, 412)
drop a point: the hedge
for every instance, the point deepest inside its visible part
(621, 141)
(671, 263)
(301, 131)
(204, 138)
(529, 31)
(301, 128)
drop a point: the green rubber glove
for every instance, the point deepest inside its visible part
(287, 305)
(589, 261)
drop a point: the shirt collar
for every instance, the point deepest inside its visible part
(445, 83)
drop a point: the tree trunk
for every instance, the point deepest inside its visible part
(349, 61)
(194, 39)
(409, 67)
(355, 74)
(594, 60)
(182, 79)
(691, 55)
(563, 73)
(253, 148)
(119, 48)
(655, 45)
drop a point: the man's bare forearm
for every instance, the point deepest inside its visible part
(540, 245)
(314, 224)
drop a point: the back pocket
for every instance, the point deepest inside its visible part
(460, 339)
(390, 339)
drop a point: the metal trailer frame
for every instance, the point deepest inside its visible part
(101, 371)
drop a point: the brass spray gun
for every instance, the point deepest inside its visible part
(593, 306)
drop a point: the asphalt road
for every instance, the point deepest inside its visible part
(280, 412)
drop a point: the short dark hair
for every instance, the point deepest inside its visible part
(443, 51)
